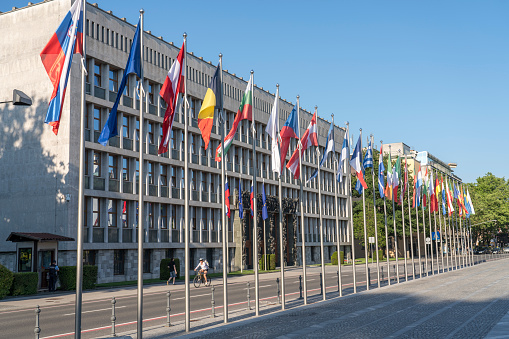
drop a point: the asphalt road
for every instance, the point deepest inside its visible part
(57, 320)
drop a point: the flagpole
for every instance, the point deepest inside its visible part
(255, 204)
(338, 233)
(241, 225)
(430, 231)
(186, 195)
(140, 196)
(79, 244)
(394, 221)
(374, 213)
(349, 176)
(223, 207)
(424, 234)
(403, 222)
(303, 235)
(322, 259)
(281, 243)
(436, 234)
(441, 234)
(416, 202)
(386, 236)
(410, 222)
(364, 215)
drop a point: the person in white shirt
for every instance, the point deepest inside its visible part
(203, 267)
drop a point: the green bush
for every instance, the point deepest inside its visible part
(25, 283)
(6, 278)
(271, 260)
(164, 272)
(334, 258)
(67, 277)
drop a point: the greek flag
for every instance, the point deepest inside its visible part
(368, 157)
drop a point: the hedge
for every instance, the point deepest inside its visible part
(271, 260)
(164, 271)
(67, 277)
(6, 278)
(334, 258)
(25, 283)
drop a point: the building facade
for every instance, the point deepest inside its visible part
(40, 191)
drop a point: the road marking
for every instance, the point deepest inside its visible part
(193, 296)
(102, 309)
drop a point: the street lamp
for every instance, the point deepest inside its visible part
(19, 99)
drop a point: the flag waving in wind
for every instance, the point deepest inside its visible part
(310, 138)
(329, 147)
(227, 197)
(381, 170)
(345, 153)
(290, 130)
(368, 158)
(272, 130)
(213, 99)
(133, 66)
(57, 59)
(265, 213)
(355, 163)
(173, 85)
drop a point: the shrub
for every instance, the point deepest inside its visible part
(334, 258)
(67, 277)
(164, 272)
(271, 260)
(6, 278)
(25, 283)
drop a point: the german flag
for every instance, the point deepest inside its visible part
(212, 99)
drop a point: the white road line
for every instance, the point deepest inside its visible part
(102, 309)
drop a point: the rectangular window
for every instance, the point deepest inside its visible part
(89, 257)
(125, 214)
(163, 178)
(125, 169)
(113, 80)
(193, 180)
(85, 215)
(173, 216)
(125, 127)
(118, 262)
(87, 114)
(25, 260)
(150, 215)
(151, 129)
(173, 177)
(96, 212)
(97, 75)
(113, 167)
(164, 216)
(97, 164)
(151, 88)
(151, 173)
(147, 259)
(97, 119)
(97, 31)
(137, 174)
(107, 36)
(127, 88)
(112, 213)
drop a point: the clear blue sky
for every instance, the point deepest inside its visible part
(433, 74)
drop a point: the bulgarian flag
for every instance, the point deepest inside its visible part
(245, 112)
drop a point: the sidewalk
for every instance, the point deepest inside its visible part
(465, 303)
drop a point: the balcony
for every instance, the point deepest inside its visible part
(213, 198)
(194, 158)
(244, 169)
(264, 144)
(112, 235)
(196, 236)
(265, 173)
(152, 109)
(152, 235)
(213, 236)
(230, 236)
(175, 192)
(165, 236)
(229, 166)
(87, 182)
(87, 134)
(128, 144)
(175, 154)
(99, 92)
(87, 88)
(243, 138)
(237, 168)
(99, 183)
(127, 235)
(127, 187)
(152, 149)
(162, 112)
(152, 190)
(204, 236)
(97, 134)
(175, 236)
(164, 191)
(204, 161)
(113, 185)
(194, 122)
(194, 195)
(176, 118)
(115, 141)
(112, 96)
(205, 196)
(98, 235)
(127, 101)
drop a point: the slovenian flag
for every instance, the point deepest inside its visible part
(57, 59)
(290, 130)
(310, 138)
(355, 163)
(173, 85)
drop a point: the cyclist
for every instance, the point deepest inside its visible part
(203, 267)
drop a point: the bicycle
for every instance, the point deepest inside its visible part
(200, 279)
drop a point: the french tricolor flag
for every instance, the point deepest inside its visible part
(355, 163)
(173, 85)
(57, 59)
(310, 138)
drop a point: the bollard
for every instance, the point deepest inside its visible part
(168, 309)
(321, 285)
(300, 287)
(382, 273)
(113, 318)
(337, 272)
(278, 292)
(213, 302)
(37, 329)
(394, 268)
(248, 296)
(368, 278)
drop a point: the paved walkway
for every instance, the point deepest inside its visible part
(468, 303)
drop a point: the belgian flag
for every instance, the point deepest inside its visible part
(212, 99)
